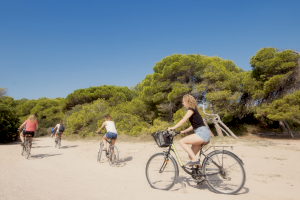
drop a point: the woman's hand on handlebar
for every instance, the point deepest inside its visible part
(170, 129)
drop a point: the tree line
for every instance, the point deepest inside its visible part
(267, 95)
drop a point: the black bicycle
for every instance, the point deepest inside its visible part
(27, 144)
(111, 152)
(222, 170)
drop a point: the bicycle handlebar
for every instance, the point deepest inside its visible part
(173, 133)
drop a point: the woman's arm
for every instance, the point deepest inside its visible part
(22, 125)
(36, 126)
(104, 123)
(188, 114)
(187, 130)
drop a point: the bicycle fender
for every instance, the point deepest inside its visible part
(172, 158)
(228, 152)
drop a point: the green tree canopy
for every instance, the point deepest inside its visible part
(112, 94)
(210, 79)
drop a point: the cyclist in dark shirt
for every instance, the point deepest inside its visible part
(197, 125)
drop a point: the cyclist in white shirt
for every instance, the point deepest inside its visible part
(56, 129)
(111, 131)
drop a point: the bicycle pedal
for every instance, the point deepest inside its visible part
(200, 182)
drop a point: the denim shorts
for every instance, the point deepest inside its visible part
(203, 133)
(111, 135)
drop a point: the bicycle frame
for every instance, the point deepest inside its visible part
(173, 148)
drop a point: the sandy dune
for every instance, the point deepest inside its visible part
(272, 170)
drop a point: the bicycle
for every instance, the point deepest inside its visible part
(222, 170)
(27, 144)
(112, 152)
(58, 140)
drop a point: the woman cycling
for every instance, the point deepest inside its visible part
(31, 126)
(111, 131)
(197, 125)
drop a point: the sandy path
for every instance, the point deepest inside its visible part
(272, 168)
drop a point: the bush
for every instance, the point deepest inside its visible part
(9, 122)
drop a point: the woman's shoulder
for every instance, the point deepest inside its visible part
(192, 109)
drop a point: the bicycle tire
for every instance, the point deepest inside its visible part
(23, 150)
(113, 155)
(28, 148)
(228, 172)
(156, 171)
(100, 151)
(56, 141)
(59, 143)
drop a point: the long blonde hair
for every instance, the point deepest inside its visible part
(191, 101)
(32, 118)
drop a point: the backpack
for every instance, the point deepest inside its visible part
(61, 128)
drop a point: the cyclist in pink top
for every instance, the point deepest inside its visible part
(31, 126)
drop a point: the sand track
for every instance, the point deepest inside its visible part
(272, 169)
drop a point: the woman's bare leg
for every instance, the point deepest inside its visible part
(104, 141)
(22, 137)
(191, 140)
(30, 139)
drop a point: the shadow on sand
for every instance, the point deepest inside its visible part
(184, 181)
(123, 161)
(67, 147)
(40, 156)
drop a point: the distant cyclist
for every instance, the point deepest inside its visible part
(59, 128)
(31, 126)
(52, 131)
(111, 131)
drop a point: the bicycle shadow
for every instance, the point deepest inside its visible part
(40, 146)
(188, 180)
(68, 147)
(123, 161)
(40, 156)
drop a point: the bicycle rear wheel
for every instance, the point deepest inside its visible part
(224, 172)
(59, 143)
(56, 142)
(28, 148)
(100, 151)
(23, 150)
(113, 155)
(161, 172)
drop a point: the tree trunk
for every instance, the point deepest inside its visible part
(210, 133)
(218, 129)
(231, 133)
(288, 127)
(282, 125)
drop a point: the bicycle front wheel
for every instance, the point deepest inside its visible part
(28, 148)
(224, 172)
(113, 155)
(100, 152)
(161, 172)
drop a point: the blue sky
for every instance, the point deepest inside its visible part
(50, 48)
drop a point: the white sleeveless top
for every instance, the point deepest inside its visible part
(110, 127)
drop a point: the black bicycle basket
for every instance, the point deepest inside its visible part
(161, 138)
